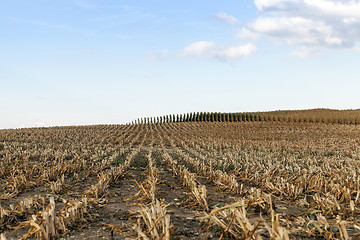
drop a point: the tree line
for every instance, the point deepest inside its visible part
(245, 117)
(200, 117)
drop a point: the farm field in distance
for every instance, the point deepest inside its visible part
(276, 175)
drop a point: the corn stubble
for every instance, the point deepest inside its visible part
(288, 179)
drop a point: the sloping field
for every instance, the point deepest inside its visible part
(185, 180)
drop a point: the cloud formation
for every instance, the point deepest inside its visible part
(212, 51)
(309, 23)
(223, 17)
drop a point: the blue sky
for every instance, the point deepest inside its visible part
(77, 62)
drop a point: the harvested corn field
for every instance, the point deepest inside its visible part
(182, 180)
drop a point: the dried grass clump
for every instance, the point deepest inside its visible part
(153, 222)
(233, 219)
(58, 186)
(49, 224)
(2, 236)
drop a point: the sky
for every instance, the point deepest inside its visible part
(81, 62)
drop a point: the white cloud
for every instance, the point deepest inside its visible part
(235, 53)
(223, 17)
(310, 23)
(212, 51)
(292, 30)
(330, 8)
(198, 49)
(344, 8)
